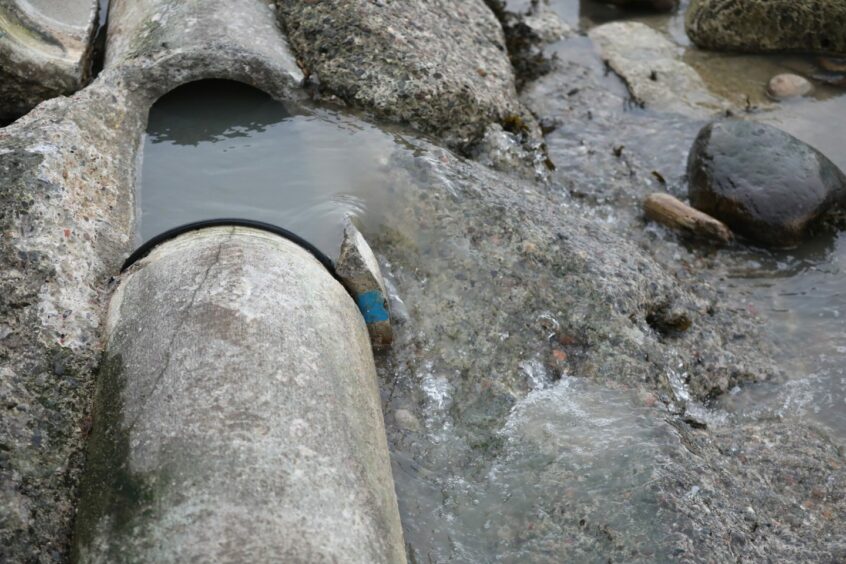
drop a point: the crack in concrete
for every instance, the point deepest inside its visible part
(178, 330)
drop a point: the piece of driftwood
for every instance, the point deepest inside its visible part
(675, 214)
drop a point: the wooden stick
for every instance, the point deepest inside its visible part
(675, 214)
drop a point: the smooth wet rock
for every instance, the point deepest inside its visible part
(766, 26)
(45, 51)
(440, 66)
(762, 182)
(783, 86)
(650, 65)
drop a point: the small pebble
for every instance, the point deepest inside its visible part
(784, 86)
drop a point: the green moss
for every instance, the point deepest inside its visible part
(111, 495)
(515, 124)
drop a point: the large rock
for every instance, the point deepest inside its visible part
(67, 174)
(45, 49)
(650, 65)
(441, 66)
(761, 26)
(762, 182)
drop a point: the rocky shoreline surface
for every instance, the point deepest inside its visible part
(504, 285)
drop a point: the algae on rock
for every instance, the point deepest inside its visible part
(765, 26)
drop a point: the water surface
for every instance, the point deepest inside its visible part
(222, 149)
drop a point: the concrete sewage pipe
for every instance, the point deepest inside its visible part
(237, 412)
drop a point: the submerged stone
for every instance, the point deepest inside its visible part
(45, 51)
(764, 26)
(649, 63)
(762, 182)
(787, 85)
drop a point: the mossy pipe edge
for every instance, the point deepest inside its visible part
(249, 426)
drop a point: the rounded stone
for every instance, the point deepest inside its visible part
(766, 26)
(407, 420)
(762, 182)
(783, 86)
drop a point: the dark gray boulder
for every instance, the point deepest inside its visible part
(759, 26)
(762, 182)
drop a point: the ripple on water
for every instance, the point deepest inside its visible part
(577, 462)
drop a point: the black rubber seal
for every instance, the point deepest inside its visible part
(151, 244)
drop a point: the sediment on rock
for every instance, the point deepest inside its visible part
(67, 174)
(771, 490)
(43, 55)
(574, 286)
(528, 29)
(439, 66)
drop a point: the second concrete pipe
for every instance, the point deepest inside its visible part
(237, 413)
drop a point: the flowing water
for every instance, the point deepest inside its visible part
(572, 461)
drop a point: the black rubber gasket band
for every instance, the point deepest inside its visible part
(147, 247)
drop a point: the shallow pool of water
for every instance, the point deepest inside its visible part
(221, 149)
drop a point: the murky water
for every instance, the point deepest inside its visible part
(220, 149)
